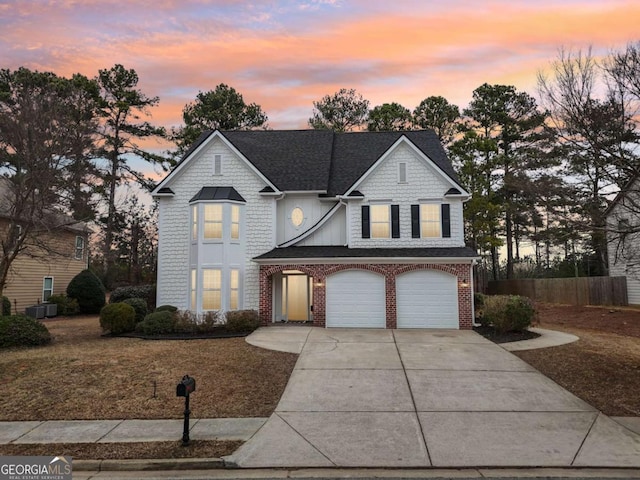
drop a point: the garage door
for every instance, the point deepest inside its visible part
(427, 299)
(355, 298)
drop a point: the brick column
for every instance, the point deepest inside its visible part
(266, 297)
(390, 287)
(319, 300)
(465, 297)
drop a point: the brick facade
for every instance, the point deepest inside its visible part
(463, 273)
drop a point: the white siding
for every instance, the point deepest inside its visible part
(333, 232)
(313, 210)
(423, 182)
(624, 254)
(174, 216)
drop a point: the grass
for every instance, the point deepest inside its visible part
(83, 376)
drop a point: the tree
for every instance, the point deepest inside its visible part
(121, 108)
(597, 134)
(47, 130)
(343, 111)
(439, 115)
(512, 119)
(222, 108)
(389, 117)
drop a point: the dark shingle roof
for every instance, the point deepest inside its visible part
(346, 252)
(321, 160)
(217, 193)
(290, 159)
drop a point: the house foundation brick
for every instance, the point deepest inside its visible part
(463, 273)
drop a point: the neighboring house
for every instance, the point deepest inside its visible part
(623, 238)
(38, 273)
(341, 229)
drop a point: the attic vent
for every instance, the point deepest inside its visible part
(402, 172)
(217, 164)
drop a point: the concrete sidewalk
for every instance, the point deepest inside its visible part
(126, 431)
(403, 398)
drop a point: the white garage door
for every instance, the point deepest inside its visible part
(427, 299)
(355, 298)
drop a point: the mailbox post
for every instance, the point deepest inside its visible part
(185, 387)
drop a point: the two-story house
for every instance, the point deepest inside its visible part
(340, 229)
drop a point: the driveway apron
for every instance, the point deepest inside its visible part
(421, 398)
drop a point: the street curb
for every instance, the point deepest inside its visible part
(147, 464)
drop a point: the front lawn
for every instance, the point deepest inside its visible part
(83, 376)
(603, 367)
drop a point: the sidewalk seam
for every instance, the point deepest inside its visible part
(42, 422)
(413, 400)
(306, 440)
(114, 427)
(585, 438)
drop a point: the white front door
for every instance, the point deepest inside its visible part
(355, 298)
(427, 299)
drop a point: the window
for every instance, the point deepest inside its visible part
(79, 252)
(234, 284)
(194, 289)
(47, 288)
(380, 221)
(235, 222)
(297, 217)
(402, 172)
(212, 221)
(429, 220)
(217, 164)
(211, 289)
(194, 222)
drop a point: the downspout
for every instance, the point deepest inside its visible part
(348, 225)
(473, 303)
(274, 231)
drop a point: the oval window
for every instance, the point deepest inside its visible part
(297, 216)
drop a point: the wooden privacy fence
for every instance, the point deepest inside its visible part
(568, 291)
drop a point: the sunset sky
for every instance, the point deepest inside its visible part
(285, 54)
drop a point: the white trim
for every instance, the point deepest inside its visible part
(299, 192)
(216, 134)
(425, 158)
(365, 260)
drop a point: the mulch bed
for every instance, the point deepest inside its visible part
(123, 451)
(495, 336)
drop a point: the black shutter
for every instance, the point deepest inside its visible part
(395, 221)
(366, 226)
(415, 221)
(446, 221)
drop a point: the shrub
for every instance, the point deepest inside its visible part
(508, 313)
(189, 322)
(166, 308)
(6, 306)
(66, 305)
(146, 292)
(22, 331)
(157, 323)
(478, 300)
(118, 318)
(139, 305)
(242, 320)
(88, 291)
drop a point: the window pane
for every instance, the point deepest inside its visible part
(234, 278)
(211, 279)
(380, 230)
(380, 213)
(193, 300)
(235, 231)
(213, 213)
(233, 301)
(194, 222)
(213, 230)
(48, 283)
(430, 229)
(235, 213)
(211, 300)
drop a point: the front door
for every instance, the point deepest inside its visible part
(296, 297)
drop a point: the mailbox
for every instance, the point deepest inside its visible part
(186, 386)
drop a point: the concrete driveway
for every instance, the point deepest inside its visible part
(417, 398)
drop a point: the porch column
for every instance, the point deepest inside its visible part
(266, 296)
